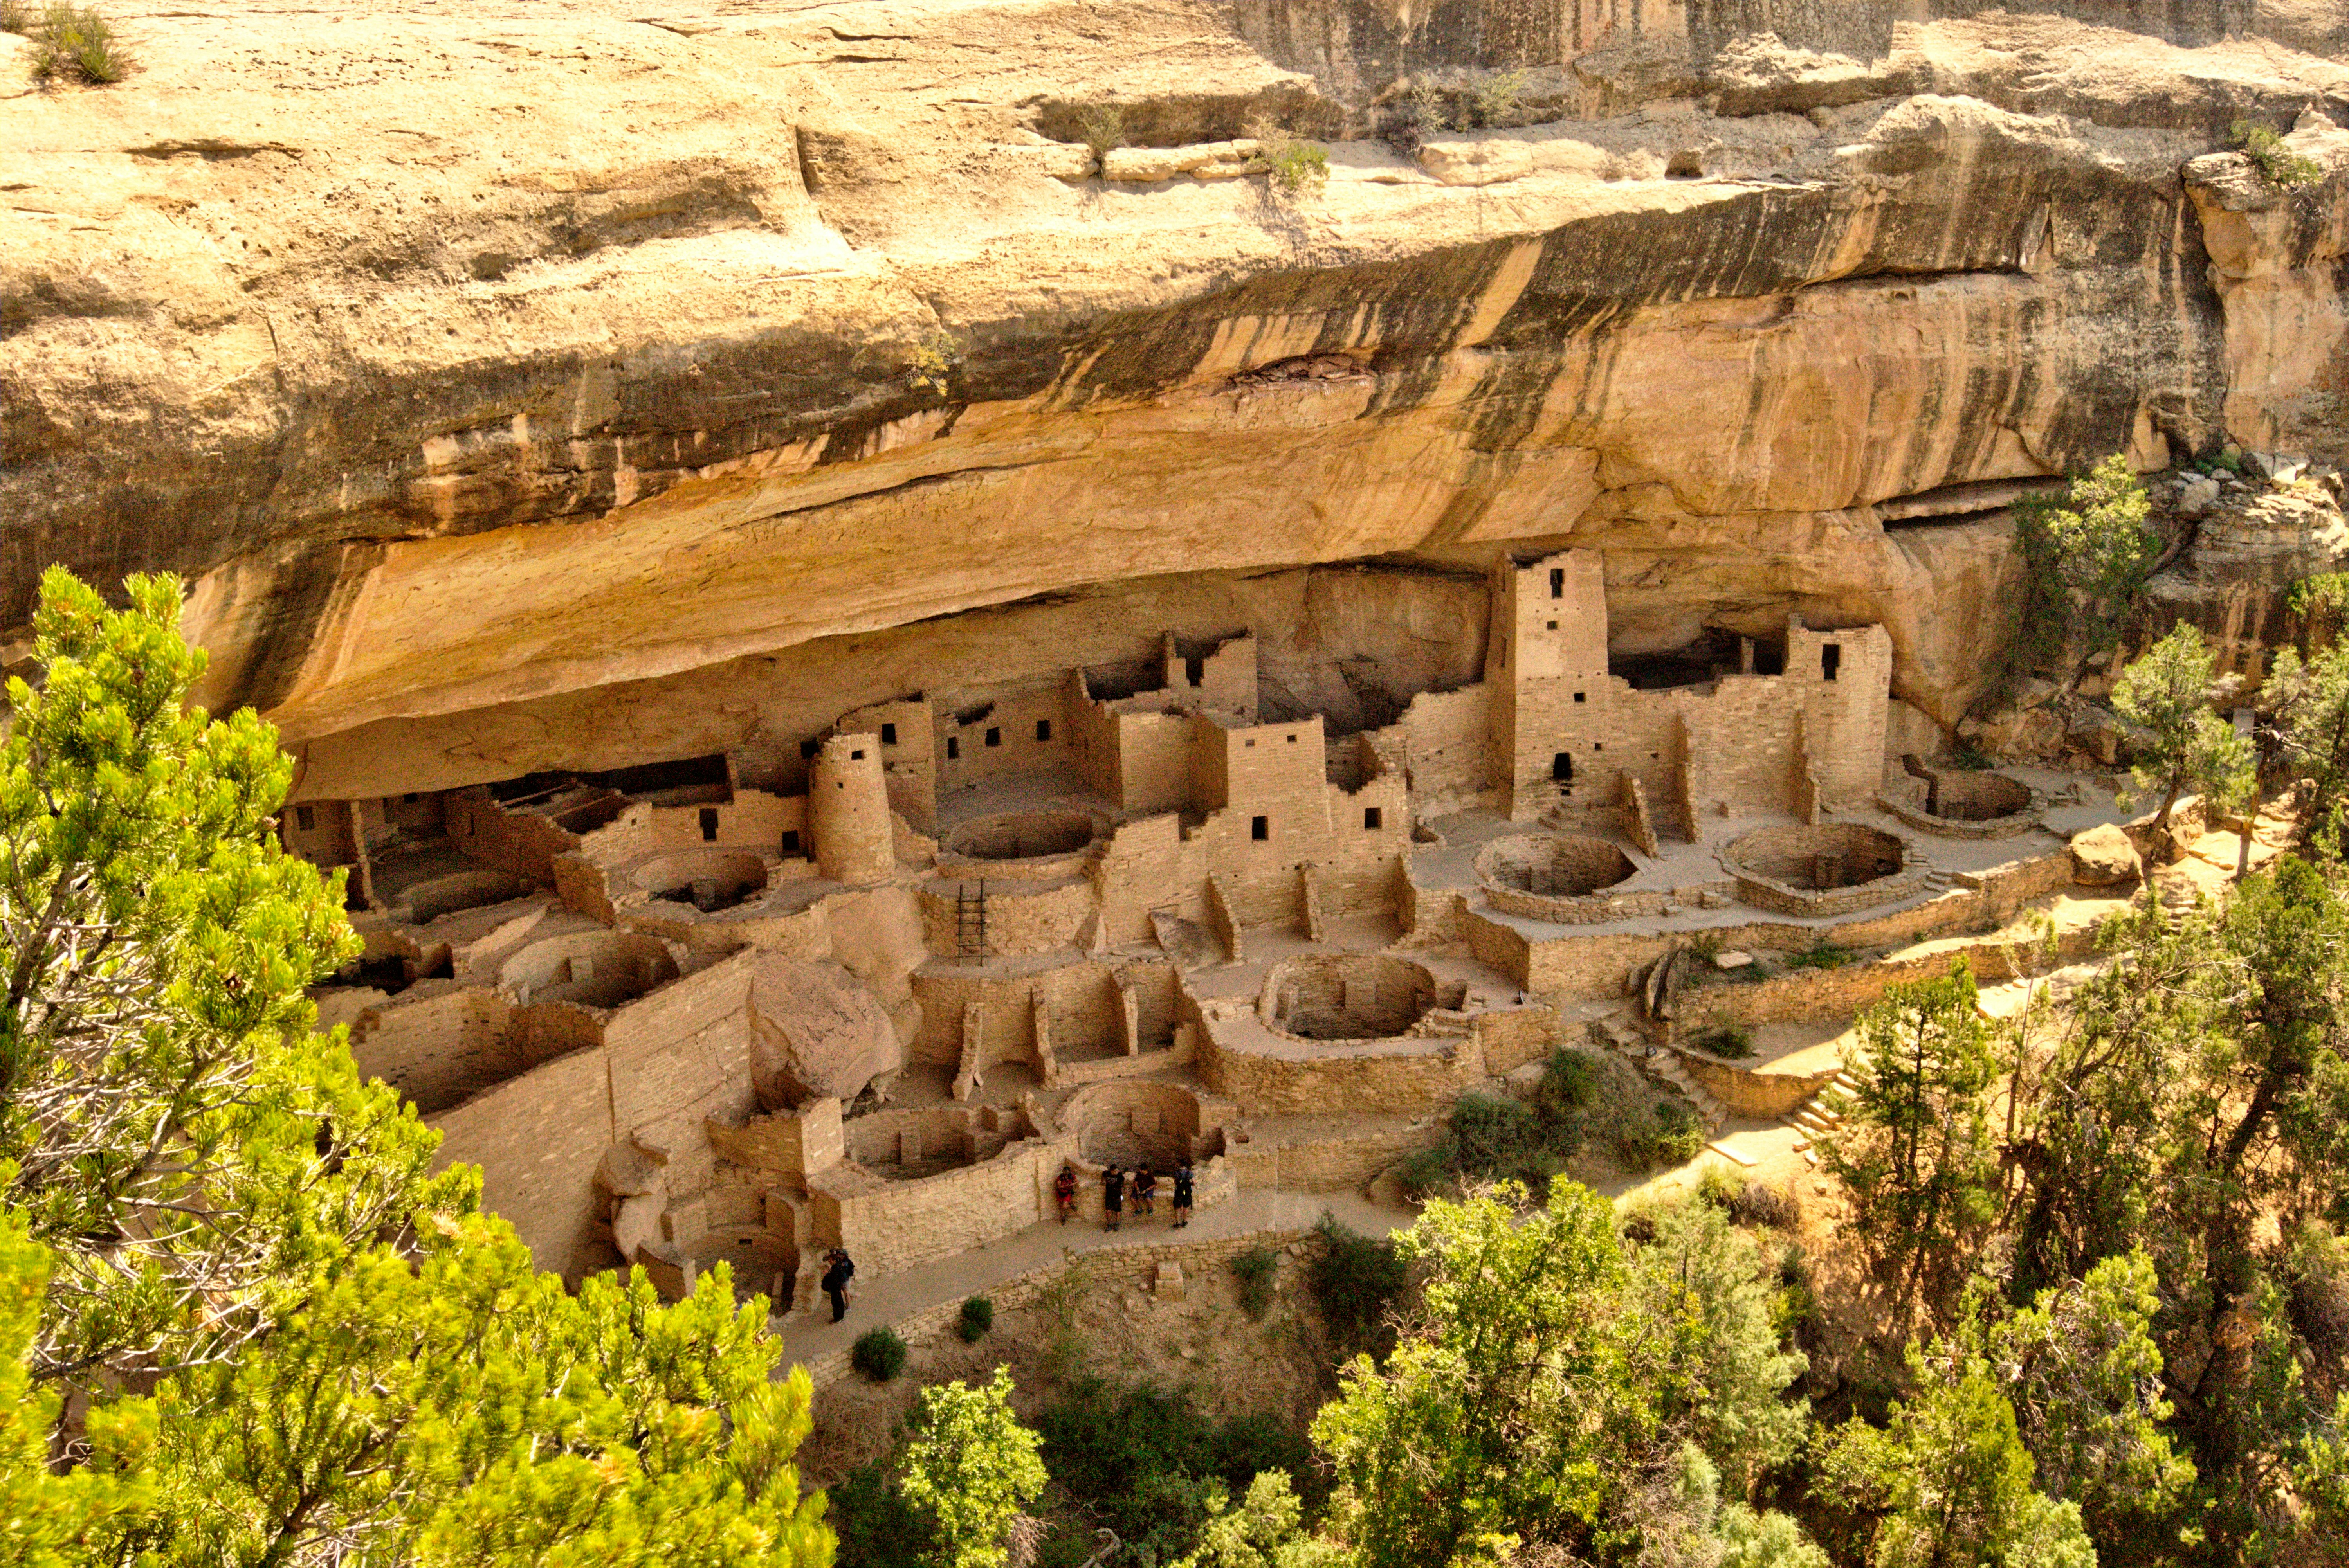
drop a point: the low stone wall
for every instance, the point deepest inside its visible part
(1134, 1267)
(1600, 908)
(1811, 995)
(1406, 1074)
(1755, 1092)
(1341, 1160)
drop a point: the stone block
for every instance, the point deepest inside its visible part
(1170, 1286)
(2103, 857)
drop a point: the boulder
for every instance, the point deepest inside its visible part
(815, 1031)
(2103, 857)
(1476, 162)
(1731, 960)
(2099, 732)
(2197, 496)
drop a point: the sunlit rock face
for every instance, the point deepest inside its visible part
(524, 390)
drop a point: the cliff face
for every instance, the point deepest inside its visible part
(511, 384)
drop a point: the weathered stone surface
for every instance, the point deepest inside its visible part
(2103, 857)
(815, 1031)
(505, 380)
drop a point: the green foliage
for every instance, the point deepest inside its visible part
(977, 1316)
(1731, 1042)
(196, 1193)
(16, 16)
(1552, 1392)
(1495, 99)
(2167, 695)
(1147, 1463)
(1296, 166)
(1821, 955)
(2308, 700)
(1254, 1269)
(1914, 1151)
(971, 1468)
(934, 362)
(1949, 1482)
(2322, 600)
(1664, 1131)
(876, 1526)
(76, 44)
(1495, 1138)
(2279, 164)
(1264, 1529)
(878, 1354)
(1354, 1279)
(2087, 557)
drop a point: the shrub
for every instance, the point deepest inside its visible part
(1103, 128)
(75, 43)
(2282, 166)
(1353, 1279)
(1731, 1042)
(15, 17)
(1254, 1270)
(1295, 165)
(1821, 955)
(877, 1527)
(1493, 101)
(1667, 1133)
(1755, 1204)
(879, 1354)
(977, 1317)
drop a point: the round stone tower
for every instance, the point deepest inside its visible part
(848, 808)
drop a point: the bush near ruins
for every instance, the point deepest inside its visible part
(977, 1317)
(2278, 164)
(1354, 1279)
(2089, 555)
(879, 1354)
(1666, 1132)
(1254, 1270)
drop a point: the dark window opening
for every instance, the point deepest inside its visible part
(808, 749)
(856, 757)
(708, 823)
(1371, 819)
(791, 840)
(1830, 659)
(408, 799)
(1260, 828)
(1292, 741)
(888, 734)
(995, 736)
(1561, 768)
(1194, 670)
(1043, 729)
(306, 818)
(954, 748)
(1553, 625)
(1580, 696)
(1558, 582)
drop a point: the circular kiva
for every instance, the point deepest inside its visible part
(709, 880)
(1021, 835)
(1346, 996)
(1827, 868)
(1978, 797)
(1558, 865)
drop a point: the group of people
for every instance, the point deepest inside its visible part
(1116, 1182)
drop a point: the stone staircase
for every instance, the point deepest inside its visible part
(1443, 1022)
(1663, 1069)
(1820, 1114)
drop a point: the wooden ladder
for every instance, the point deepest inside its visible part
(970, 920)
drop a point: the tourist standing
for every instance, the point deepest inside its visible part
(836, 1282)
(1112, 1197)
(1064, 1190)
(1183, 1179)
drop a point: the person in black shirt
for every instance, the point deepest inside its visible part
(1182, 1204)
(1145, 1192)
(1112, 1197)
(836, 1282)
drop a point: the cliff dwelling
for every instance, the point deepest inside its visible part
(874, 986)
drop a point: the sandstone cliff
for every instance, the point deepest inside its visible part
(527, 387)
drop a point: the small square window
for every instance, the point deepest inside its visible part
(1599, 746)
(1553, 625)
(1292, 741)
(1043, 729)
(1580, 696)
(954, 748)
(994, 736)
(1371, 819)
(1251, 745)
(708, 824)
(1260, 828)
(857, 756)
(791, 840)
(888, 734)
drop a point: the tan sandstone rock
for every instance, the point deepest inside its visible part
(2103, 857)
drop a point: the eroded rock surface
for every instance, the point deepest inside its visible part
(523, 388)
